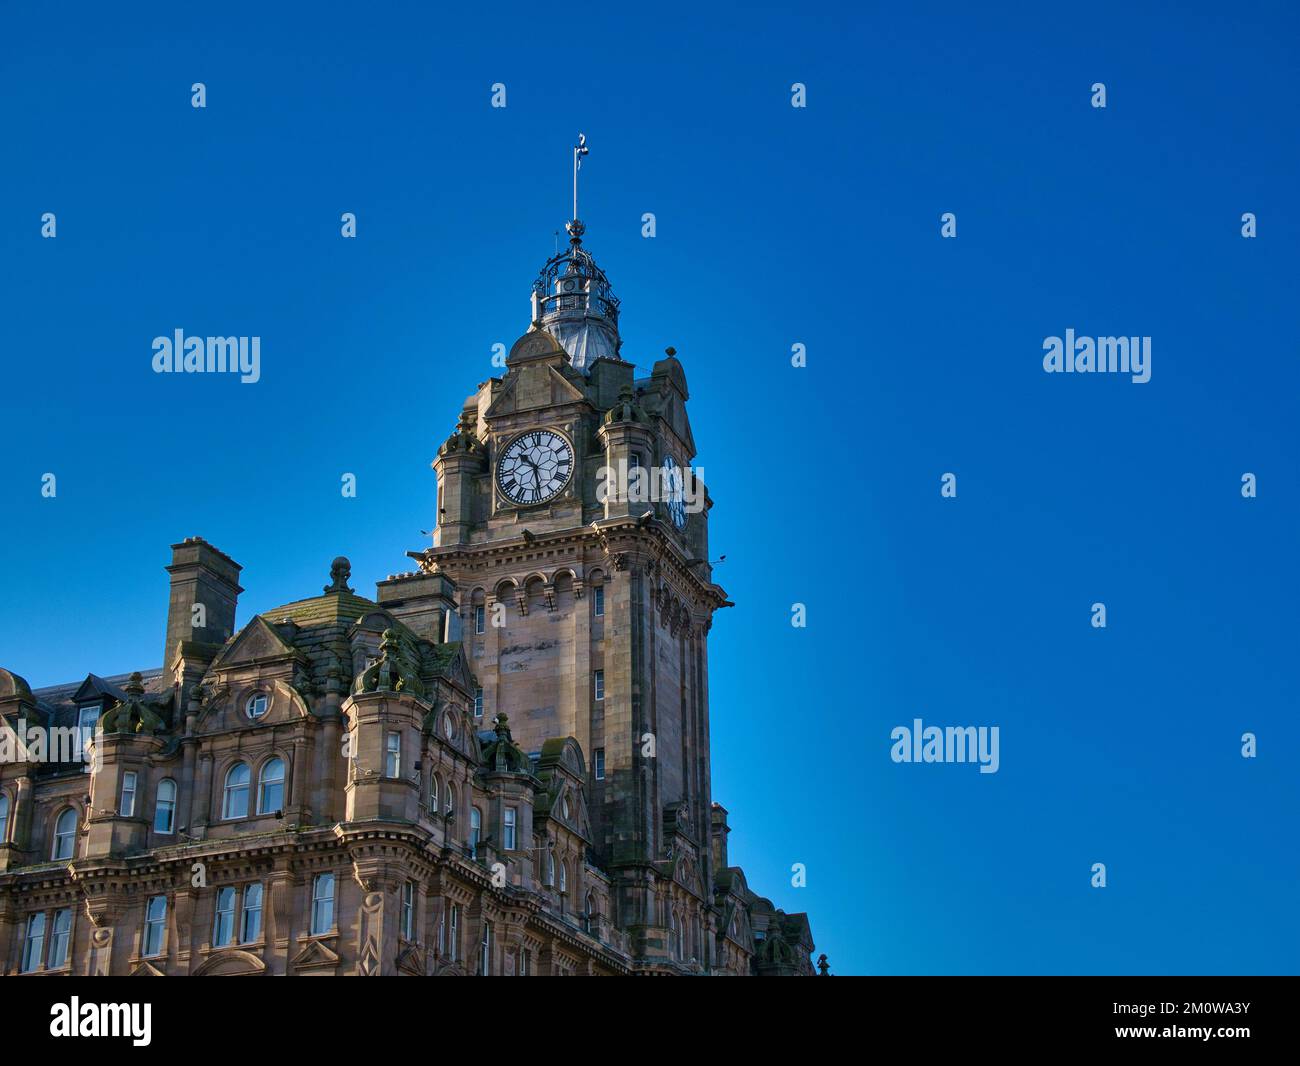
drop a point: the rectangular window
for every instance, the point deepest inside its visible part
(34, 942)
(478, 703)
(164, 807)
(455, 932)
(480, 618)
(394, 755)
(600, 684)
(86, 719)
(508, 830)
(322, 904)
(127, 809)
(442, 931)
(155, 924)
(223, 925)
(62, 933)
(408, 910)
(598, 599)
(525, 962)
(598, 762)
(485, 961)
(250, 922)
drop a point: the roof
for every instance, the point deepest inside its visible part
(326, 609)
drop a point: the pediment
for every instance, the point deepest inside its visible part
(257, 641)
(410, 960)
(535, 344)
(146, 969)
(533, 387)
(232, 964)
(457, 671)
(315, 956)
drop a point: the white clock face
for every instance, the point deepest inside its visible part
(535, 467)
(674, 490)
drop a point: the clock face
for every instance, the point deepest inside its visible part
(674, 491)
(535, 467)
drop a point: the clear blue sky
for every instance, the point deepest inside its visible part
(775, 226)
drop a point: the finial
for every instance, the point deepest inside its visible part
(135, 685)
(670, 351)
(824, 966)
(575, 227)
(340, 571)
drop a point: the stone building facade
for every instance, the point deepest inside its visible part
(498, 765)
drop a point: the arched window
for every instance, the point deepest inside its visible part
(270, 786)
(475, 830)
(4, 817)
(65, 835)
(564, 879)
(234, 800)
(164, 810)
(587, 914)
(435, 794)
(550, 868)
(450, 805)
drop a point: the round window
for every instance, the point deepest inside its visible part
(449, 725)
(256, 705)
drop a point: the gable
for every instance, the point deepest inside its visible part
(257, 641)
(530, 388)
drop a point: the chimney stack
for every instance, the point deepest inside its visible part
(204, 590)
(718, 841)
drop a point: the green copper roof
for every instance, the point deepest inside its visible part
(323, 610)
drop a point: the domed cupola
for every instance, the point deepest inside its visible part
(572, 298)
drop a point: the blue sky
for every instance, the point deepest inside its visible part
(775, 226)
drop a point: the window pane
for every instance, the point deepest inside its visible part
(235, 801)
(34, 944)
(322, 907)
(154, 924)
(164, 815)
(223, 928)
(250, 926)
(270, 792)
(59, 942)
(65, 834)
(127, 808)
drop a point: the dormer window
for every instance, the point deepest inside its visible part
(256, 706)
(87, 717)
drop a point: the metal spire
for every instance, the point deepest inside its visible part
(575, 227)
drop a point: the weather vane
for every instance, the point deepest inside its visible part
(579, 150)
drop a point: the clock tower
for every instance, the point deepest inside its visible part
(571, 558)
